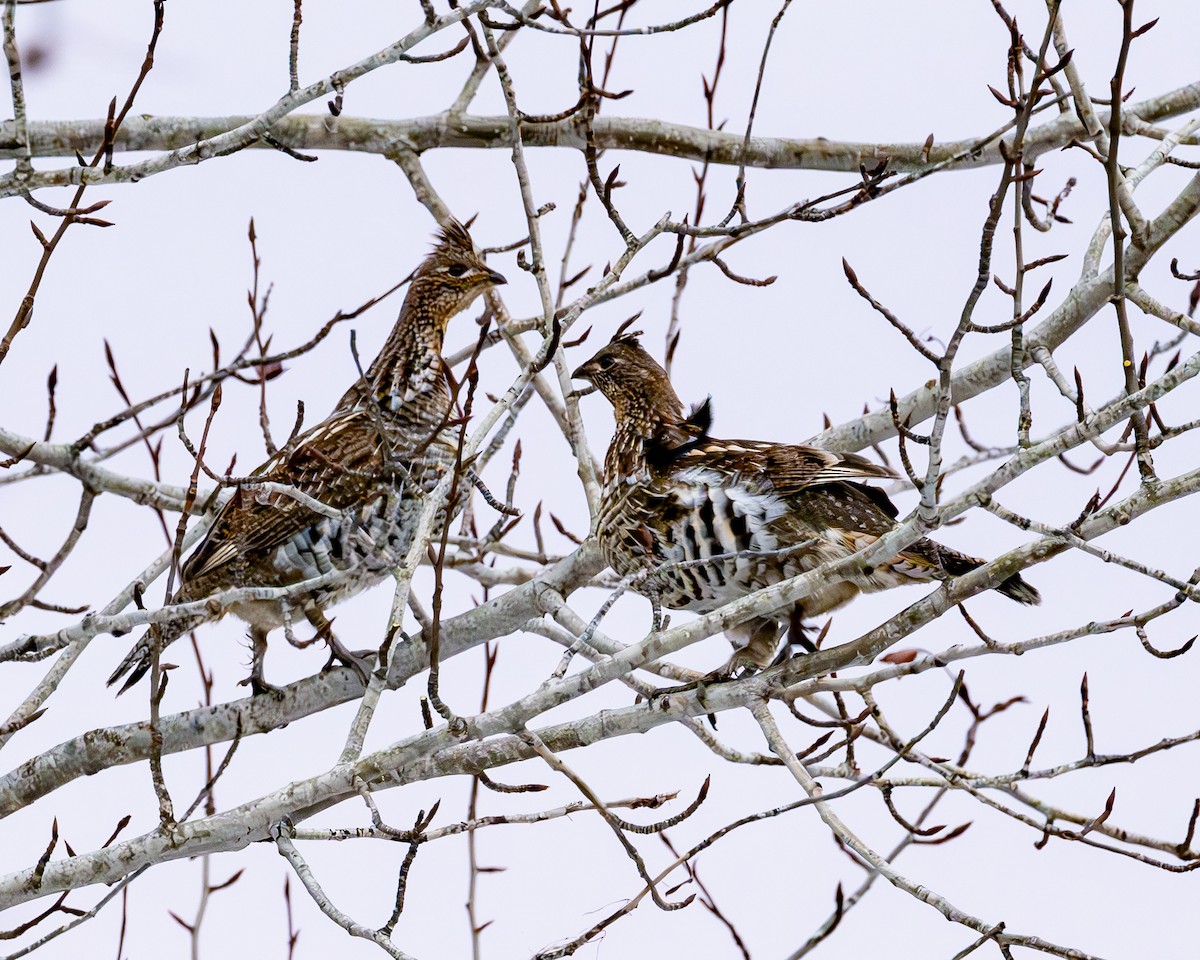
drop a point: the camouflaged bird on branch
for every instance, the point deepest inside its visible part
(373, 459)
(706, 521)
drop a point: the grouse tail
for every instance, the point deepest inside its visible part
(136, 664)
(1015, 587)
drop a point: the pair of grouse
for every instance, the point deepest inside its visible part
(705, 521)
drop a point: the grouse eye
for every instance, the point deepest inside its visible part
(606, 362)
(457, 270)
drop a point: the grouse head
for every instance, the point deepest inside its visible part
(633, 382)
(451, 276)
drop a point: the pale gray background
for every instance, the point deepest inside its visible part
(333, 233)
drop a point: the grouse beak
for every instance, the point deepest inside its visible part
(582, 372)
(495, 279)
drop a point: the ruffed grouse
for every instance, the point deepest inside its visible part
(674, 494)
(373, 459)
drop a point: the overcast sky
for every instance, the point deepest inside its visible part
(336, 232)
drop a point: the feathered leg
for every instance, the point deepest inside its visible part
(337, 653)
(258, 685)
(755, 642)
(797, 632)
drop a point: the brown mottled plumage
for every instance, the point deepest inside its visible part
(373, 458)
(673, 494)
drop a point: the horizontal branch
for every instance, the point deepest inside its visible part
(65, 458)
(62, 138)
(252, 129)
(510, 611)
(437, 753)
(430, 754)
(95, 751)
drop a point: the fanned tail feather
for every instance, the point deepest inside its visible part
(1015, 587)
(138, 661)
(136, 664)
(1019, 589)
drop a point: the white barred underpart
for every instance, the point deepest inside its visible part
(712, 514)
(365, 544)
